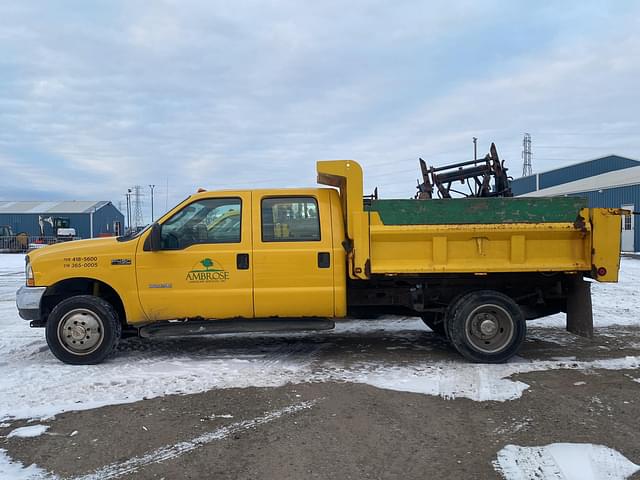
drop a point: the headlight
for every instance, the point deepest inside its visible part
(28, 273)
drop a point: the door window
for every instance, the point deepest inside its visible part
(213, 220)
(290, 219)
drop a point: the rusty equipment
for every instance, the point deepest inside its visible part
(486, 177)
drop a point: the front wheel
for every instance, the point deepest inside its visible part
(486, 326)
(83, 330)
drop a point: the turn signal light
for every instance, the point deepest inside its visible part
(29, 275)
(602, 271)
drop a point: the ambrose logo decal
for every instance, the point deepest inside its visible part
(206, 270)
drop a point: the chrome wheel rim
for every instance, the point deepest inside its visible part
(489, 328)
(80, 331)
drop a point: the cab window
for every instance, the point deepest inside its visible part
(214, 220)
(290, 219)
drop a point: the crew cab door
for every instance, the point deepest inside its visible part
(293, 255)
(204, 266)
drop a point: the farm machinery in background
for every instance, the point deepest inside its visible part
(62, 232)
(485, 177)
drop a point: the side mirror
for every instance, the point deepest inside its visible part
(154, 240)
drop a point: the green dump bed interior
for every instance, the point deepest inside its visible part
(478, 210)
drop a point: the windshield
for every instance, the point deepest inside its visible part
(131, 235)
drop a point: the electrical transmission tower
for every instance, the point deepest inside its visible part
(526, 155)
(138, 220)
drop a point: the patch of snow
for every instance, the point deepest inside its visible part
(563, 461)
(579, 383)
(27, 432)
(17, 471)
(478, 382)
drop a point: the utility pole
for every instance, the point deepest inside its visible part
(475, 149)
(526, 156)
(152, 187)
(128, 208)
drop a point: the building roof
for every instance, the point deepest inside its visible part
(629, 162)
(41, 207)
(617, 178)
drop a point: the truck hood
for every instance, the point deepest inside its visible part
(77, 248)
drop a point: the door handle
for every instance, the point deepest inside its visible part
(242, 261)
(324, 259)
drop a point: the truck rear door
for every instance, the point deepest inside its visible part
(292, 254)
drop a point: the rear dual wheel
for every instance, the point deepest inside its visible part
(486, 326)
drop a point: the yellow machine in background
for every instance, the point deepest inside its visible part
(474, 269)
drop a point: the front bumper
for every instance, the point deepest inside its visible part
(28, 302)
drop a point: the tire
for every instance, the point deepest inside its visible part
(83, 330)
(486, 326)
(435, 321)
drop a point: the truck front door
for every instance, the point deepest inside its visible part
(292, 255)
(204, 266)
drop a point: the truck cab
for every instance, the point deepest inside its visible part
(245, 254)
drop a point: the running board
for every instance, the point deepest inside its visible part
(204, 327)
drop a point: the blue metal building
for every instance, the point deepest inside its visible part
(89, 218)
(610, 182)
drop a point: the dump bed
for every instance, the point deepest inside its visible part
(480, 235)
(474, 235)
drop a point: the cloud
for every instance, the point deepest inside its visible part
(96, 97)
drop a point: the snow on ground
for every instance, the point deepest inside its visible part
(563, 461)
(13, 470)
(476, 382)
(28, 432)
(36, 385)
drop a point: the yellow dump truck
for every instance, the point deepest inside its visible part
(475, 269)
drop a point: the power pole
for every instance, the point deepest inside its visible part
(526, 156)
(152, 187)
(475, 149)
(138, 219)
(128, 195)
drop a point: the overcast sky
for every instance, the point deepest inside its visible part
(98, 96)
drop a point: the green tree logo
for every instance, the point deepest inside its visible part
(207, 263)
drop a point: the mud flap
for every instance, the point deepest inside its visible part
(579, 310)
